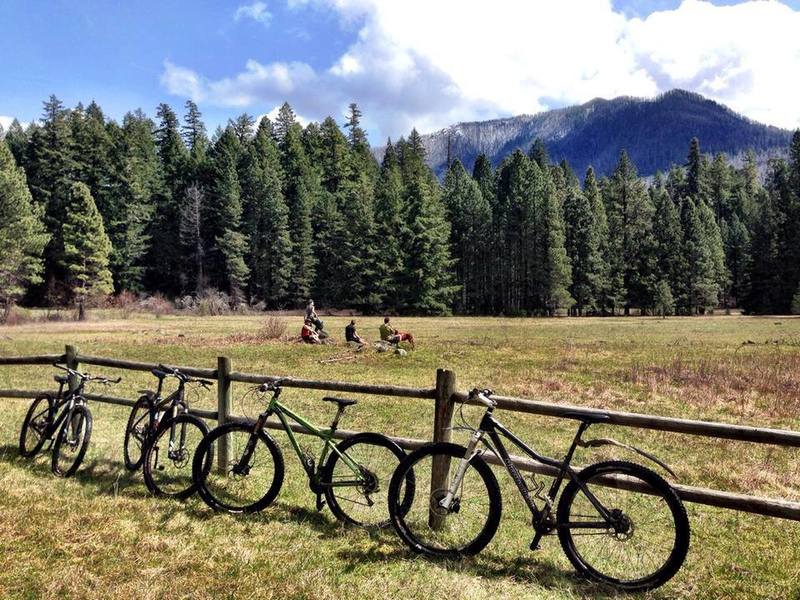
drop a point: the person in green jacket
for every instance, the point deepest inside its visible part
(393, 336)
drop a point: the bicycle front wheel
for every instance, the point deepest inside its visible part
(358, 494)
(34, 428)
(470, 522)
(647, 539)
(238, 470)
(167, 466)
(72, 441)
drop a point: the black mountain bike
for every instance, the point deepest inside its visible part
(354, 479)
(65, 416)
(618, 522)
(161, 436)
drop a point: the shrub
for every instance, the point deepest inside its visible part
(157, 305)
(212, 303)
(274, 328)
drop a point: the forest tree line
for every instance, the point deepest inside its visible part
(272, 214)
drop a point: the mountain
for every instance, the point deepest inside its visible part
(655, 132)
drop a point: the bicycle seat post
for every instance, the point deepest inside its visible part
(337, 416)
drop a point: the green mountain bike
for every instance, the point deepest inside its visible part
(239, 468)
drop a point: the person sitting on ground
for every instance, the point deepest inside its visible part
(394, 336)
(308, 335)
(350, 334)
(388, 333)
(311, 315)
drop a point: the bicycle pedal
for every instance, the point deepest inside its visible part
(320, 502)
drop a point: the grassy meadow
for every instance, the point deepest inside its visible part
(100, 534)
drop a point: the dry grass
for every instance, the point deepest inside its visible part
(100, 535)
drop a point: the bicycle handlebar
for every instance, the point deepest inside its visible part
(482, 396)
(271, 386)
(165, 371)
(86, 377)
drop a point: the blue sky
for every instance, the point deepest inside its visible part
(412, 63)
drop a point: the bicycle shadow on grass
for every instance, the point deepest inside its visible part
(108, 477)
(526, 568)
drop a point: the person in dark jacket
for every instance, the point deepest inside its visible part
(350, 334)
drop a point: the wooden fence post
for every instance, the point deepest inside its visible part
(71, 360)
(442, 421)
(223, 410)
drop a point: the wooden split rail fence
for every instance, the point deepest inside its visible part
(445, 395)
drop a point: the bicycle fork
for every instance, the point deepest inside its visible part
(448, 501)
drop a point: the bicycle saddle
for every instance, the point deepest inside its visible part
(61, 378)
(342, 402)
(587, 417)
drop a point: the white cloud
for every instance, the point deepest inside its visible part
(428, 64)
(257, 11)
(5, 122)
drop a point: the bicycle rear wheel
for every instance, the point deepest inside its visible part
(647, 541)
(252, 476)
(136, 433)
(72, 441)
(167, 466)
(472, 520)
(34, 428)
(366, 504)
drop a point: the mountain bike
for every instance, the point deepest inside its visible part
(353, 475)
(618, 522)
(65, 416)
(161, 436)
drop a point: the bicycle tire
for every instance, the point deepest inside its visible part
(350, 517)
(33, 413)
(186, 484)
(400, 520)
(81, 445)
(203, 465)
(662, 490)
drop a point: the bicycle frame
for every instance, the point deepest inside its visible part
(284, 414)
(541, 517)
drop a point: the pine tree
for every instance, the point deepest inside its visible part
(51, 170)
(193, 129)
(191, 238)
(166, 259)
(604, 287)
(223, 226)
(664, 302)
(700, 289)
(582, 249)
(16, 138)
(300, 191)
(696, 173)
(429, 287)
(130, 201)
(514, 217)
(554, 272)
(243, 127)
(266, 218)
(711, 233)
(22, 234)
(390, 228)
(720, 188)
(470, 218)
(284, 122)
(667, 235)
(86, 249)
(737, 259)
(538, 154)
(630, 213)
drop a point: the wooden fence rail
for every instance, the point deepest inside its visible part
(445, 394)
